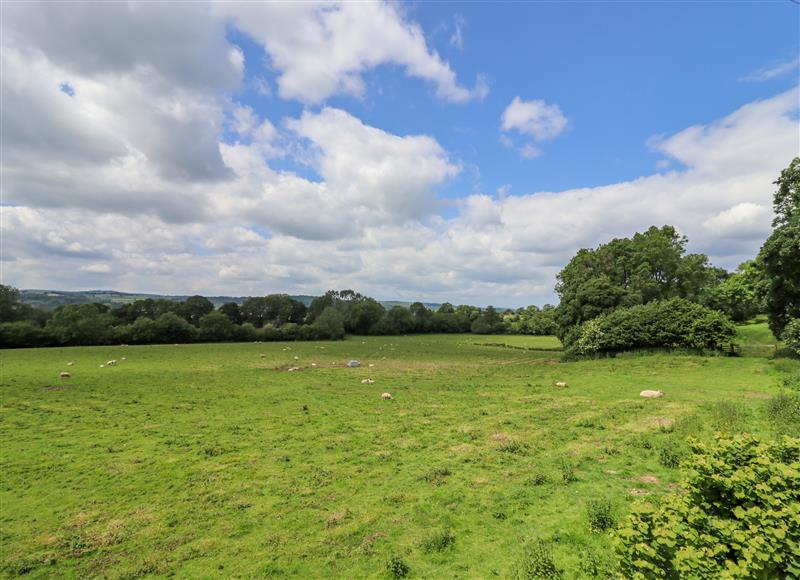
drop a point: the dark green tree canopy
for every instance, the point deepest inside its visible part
(652, 265)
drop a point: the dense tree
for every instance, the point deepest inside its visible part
(624, 272)
(275, 309)
(396, 320)
(329, 324)
(194, 308)
(739, 295)
(780, 254)
(361, 315)
(489, 322)
(231, 310)
(216, 327)
(82, 324)
(12, 309)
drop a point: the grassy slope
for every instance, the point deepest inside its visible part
(201, 459)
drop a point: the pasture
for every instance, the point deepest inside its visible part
(212, 460)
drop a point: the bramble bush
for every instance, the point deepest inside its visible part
(738, 516)
(674, 323)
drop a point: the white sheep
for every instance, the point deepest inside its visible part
(112, 363)
(367, 381)
(70, 363)
(561, 384)
(64, 375)
(651, 394)
(386, 396)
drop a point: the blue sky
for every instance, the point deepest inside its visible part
(441, 151)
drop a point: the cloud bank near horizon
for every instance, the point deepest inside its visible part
(138, 170)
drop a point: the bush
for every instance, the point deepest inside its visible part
(537, 563)
(21, 334)
(674, 323)
(669, 455)
(791, 336)
(784, 410)
(738, 516)
(397, 567)
(600, 513)
(439, 542)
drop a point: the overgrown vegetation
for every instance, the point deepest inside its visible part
(737, 517)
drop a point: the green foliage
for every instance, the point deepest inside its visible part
(624, 272)
(397, 567)
(532, 320)
(537, 563)
(669, 455)
(489, 322)
(738, 516)
(79, 324)
(674, 323)
(739, 295)
(21, 334)
(781, 252)
(329, 325)
(439, 541)
(600, 514)
(217, 327)
(791, 335)
(786, 202)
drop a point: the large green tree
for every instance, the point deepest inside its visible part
(780, 254)
(652, 265)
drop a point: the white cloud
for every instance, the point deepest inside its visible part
(535, 118)
(322, 49)
(773, 71)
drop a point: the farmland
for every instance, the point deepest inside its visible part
(212, 459)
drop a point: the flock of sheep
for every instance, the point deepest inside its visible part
(650, 394)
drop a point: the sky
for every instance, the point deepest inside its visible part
(449, 151)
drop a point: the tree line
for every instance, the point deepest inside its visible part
(624, 294)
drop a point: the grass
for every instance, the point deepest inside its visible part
(213, 460)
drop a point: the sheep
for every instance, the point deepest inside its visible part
(102, 366)
(124, 358)
(371, 365)
(561, 384)
(651, 394)
(64, 375)
(354, 363)
(70, 363)
(296, 358)
(291, 369)
(386, 396)
(112, 363)
(263, 355)
(367, 381)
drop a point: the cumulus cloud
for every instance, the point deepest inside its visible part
(321, 49)
(535, 119)
(150, 178)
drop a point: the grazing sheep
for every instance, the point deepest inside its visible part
(102, 366)
(291, 369)
(313, 364)
(354, 363)
(263, 355)
(386, 396)
(296, 358)
(70, 363)
(367, 381)
(371, 365)
(651, 394)
(64, 375)
(561, 384)
(124, 358)
(112, 363)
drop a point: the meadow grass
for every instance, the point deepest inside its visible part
(213, 460)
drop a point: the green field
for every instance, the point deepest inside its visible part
(213, 460)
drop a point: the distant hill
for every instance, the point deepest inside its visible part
(50, 299)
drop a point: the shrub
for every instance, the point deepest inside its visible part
(738, 516)
(439, 542)
(397, 567)
(600, 513)
(791, 336)
(669, 455)
(537, 563)
(674, 323)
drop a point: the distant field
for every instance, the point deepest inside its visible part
(211, 460)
